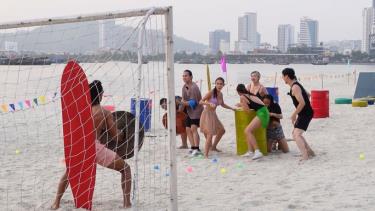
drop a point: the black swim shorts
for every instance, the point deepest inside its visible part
(303, 122)
(189, 122)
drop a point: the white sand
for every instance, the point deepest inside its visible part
(336, 179)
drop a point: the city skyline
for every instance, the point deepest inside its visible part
(224, 16)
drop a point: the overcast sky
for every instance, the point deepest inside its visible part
(193, 19)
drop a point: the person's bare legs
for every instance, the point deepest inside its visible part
(184, 141)
(309, 150)
(269, 145)
(283, 145)
(250, 138)
(189, 135)
(217, 139)
(194, 132)
(63, 185)
(208, 144)
(300, 141)
(126, 179)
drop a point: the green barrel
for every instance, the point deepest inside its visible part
(343, 101)
(242, 120)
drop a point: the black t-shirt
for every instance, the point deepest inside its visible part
(274, 108)
(307, 109)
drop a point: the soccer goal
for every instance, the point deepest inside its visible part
(131, 53)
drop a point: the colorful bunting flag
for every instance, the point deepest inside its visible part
(42, 100)
(20, 104)
(28, 103)
(12, 107)
(4, 108)
(35, 100)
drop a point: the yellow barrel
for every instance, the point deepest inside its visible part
(359, 103)
(242, 120)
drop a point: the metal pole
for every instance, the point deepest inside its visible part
(83, 18)
(138, 106)
(171, 110)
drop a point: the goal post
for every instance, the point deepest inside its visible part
(133, 56)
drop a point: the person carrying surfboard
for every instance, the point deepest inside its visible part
(103, 121)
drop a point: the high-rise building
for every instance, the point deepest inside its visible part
(224, 46)
(285, 37)
(259, 40)
(309, 32)
(368, 15)
(105, 33)
(247, 29)
(10, 46)
(215, 39)
(243, 46)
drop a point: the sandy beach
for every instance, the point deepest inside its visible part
(336, 179)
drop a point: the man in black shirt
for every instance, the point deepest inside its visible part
(303, 114)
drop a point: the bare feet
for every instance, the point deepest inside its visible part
(55, 206)
(183, 147)
(215, 149)
(127, 206)
(303, 159)
(311, 153)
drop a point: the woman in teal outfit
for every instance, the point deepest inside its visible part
(249, 101)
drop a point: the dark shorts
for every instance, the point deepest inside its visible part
(303, 122)
(275, 134)
(189, 122)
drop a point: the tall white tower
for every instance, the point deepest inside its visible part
(309, 32)
(285, 37)
(247, 29)
(368, 28)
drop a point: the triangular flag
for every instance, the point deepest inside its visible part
(42, 100)
(35, 100)
(4, 108)
(28, 103)
(20, 104)
(223, 64)
(208, 78)
(12, 107)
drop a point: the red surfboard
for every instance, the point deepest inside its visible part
(79, 134)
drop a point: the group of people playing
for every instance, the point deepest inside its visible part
(201, 113)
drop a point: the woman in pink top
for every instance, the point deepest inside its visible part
(209, 122)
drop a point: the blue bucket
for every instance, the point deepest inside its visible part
(274, 91)
(145, 114)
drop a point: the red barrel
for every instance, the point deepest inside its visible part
(320, 103)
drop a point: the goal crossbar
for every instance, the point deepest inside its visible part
(85, 18)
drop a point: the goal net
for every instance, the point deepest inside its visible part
(131, 54)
